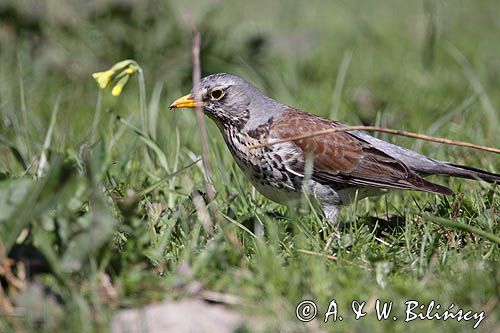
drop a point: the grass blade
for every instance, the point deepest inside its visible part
(463, 227)
(48, 139)
(339, 84)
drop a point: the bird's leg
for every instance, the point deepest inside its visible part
(328, 198)
(331, 212)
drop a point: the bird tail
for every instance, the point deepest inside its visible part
(463, 171)
(453, 170)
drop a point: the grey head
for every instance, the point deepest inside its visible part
(232, 101)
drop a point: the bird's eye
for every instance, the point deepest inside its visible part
(217, 94)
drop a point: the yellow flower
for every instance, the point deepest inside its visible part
(103, 78)
(117, 89)
(119, 74)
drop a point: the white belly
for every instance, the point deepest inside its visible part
(283, 196)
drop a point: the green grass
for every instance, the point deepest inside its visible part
(121, 206)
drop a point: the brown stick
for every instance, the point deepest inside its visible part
(383, 130)
(199, 110)
(202, 129)
(324, 255)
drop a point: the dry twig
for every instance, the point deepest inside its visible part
(202, 129)
(199, 110)
(383, 130)
(317, 254)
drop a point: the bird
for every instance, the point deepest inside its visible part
(335, 168)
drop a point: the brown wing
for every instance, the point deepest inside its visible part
(342, 157)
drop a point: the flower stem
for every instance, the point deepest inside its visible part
(97, 116)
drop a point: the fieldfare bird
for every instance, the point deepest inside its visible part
(344, 165)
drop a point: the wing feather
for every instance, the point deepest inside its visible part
(344, 158)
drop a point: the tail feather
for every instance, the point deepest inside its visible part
(463, 171)
(453, 170)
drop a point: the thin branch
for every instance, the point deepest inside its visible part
(317, 254)
(202, 212)
(199, 110)
(383, 130)
(203, 132)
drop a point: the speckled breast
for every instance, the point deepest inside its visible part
(266, 167)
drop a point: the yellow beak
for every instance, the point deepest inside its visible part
(185, 102)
